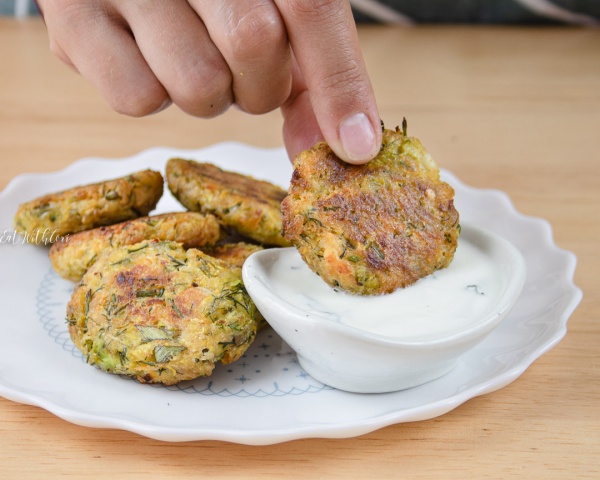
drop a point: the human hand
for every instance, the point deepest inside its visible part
(300, 55)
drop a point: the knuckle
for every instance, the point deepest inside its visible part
(313, 9)
(65, 6)
(343, 81)
(257, 33)
(71, 12)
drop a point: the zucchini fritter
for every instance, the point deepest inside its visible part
(232, 253)
(71, 258)
(236, 254)
(370, 229)
(250, 206)
(89, 206)
(161, 314)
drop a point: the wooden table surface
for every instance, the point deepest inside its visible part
(510, 109)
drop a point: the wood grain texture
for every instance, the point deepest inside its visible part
(511, 109)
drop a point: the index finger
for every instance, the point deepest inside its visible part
(325, 43)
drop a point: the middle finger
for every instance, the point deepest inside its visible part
(252, 38)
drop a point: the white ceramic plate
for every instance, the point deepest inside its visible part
(265, 397)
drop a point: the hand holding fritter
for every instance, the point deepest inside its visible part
(373, 228)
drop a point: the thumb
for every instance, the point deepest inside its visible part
(301, 129)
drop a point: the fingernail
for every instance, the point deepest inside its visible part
(358, 138)
(164, 105)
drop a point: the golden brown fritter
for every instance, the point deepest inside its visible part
(241, 202)
(160, 314)
(89, 206)
(236, 254)
(232, 253)
(373, 228)
(71, 258)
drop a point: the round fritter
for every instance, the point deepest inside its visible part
(71, 258)
(370, 229)
(236, 254)
(161, 314)
(250, 206)
(89, 206)
(232, 253)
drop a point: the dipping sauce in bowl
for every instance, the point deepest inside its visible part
(395, 341)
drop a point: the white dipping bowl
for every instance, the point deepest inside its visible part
(340, 354)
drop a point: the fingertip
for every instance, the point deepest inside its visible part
(137, 99)
(359, 140)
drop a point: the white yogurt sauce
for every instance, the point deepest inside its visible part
(447, 301)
